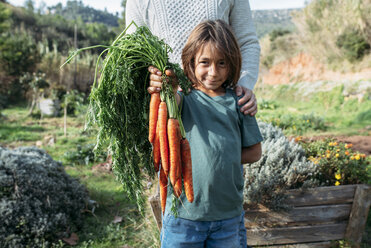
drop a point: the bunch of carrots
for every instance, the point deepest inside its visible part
(119, 108)
(171, 149)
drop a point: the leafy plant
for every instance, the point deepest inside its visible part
(267, 104)
(297, 124)
(352, 44)
(83, 155)
(19, 54)
(36, 83)
(73, 101)
(278, 32)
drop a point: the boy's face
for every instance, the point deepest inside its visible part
(211, 70)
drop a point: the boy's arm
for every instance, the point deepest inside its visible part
(251, 154)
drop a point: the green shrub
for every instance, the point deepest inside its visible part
(353, 44)
(83, 155)
(267, 104)
(40, 202)
(364, 116)
(330, 99)
(278, 32)
(337, 163)
(297, 124)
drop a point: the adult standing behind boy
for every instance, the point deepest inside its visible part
(173, 20)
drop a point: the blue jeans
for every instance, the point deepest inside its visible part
(178, 232)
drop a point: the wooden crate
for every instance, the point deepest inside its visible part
(318, 215)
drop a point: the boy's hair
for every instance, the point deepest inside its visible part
(221, 35)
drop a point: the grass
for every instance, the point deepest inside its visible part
(99, 229)
(328, 112)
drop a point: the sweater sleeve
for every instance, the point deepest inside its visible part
(241, 21)
(133, 13)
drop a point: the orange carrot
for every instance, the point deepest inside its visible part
(162, 128)
(187, 169)
(178, 187)
(174, 149)
(153, 114)
(156, 149)
(163, 189)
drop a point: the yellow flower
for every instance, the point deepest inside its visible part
(337, 150)
(351, 157)
(337, 176)
(337, 183)
(335, 144)
(330, 144)
(337, 155)
(346, 153)
(307, 120)
(328, 151)
(357, 157)
(327, 155)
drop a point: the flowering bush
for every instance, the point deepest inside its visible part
(337, 163)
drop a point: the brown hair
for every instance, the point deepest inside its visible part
(221, 35)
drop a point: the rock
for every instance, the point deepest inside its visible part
(49, 140)
(48, 107)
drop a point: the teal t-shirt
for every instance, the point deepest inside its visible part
(216, 131)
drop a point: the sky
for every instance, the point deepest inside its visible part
(115, 5)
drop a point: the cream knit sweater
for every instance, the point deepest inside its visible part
(173, 20)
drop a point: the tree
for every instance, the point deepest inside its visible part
(18, 54)
(4, 19)
(37, 83)
(122, 19)
(29, 4)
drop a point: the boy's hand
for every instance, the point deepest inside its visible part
(249, 98)
(155, 79)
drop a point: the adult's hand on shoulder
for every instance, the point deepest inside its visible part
(248, 100)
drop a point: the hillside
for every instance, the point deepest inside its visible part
(74, 9)
(268, 20)
(324, 45)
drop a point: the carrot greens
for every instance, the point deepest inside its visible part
(119, 104)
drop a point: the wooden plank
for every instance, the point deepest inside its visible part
(293, 235)
(298, 216)
(326, 244)
(359, 213)
(321, 195)
(154, 201)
